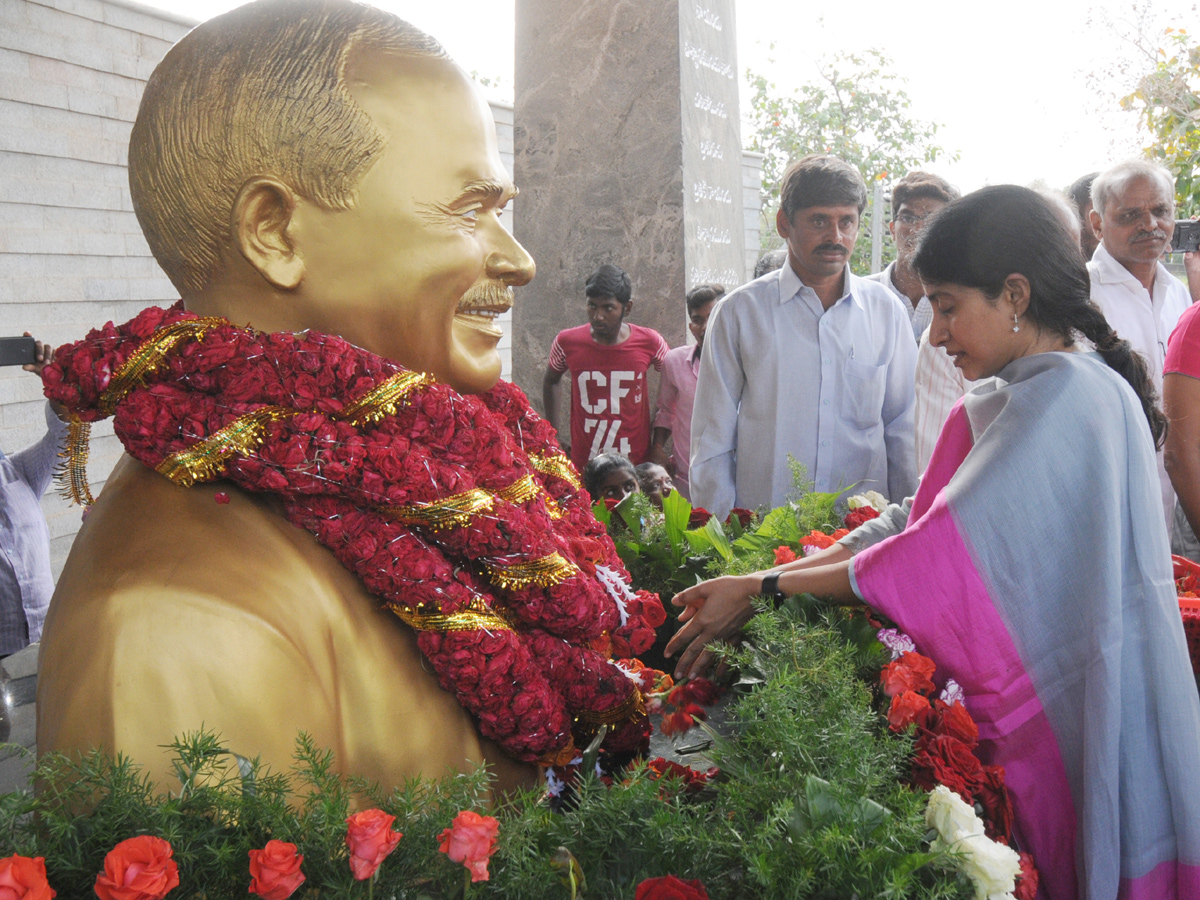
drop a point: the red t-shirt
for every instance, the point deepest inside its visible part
(610, 406)
(1183, 347)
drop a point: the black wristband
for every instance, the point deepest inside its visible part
(770, 588)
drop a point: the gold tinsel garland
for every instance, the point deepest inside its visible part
(477, 616)
(384, 399)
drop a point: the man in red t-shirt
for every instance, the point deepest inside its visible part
(607, 359)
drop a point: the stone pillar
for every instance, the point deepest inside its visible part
(626, 151)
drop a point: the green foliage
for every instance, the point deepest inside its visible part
(810, 805)
(664, 556)
(858, 110)
(1166, 100)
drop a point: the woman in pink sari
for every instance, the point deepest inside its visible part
(1033, 563)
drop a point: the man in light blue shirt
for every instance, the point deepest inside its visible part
(808, 361)
(26, 581)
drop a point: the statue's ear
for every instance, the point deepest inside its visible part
(262, 225)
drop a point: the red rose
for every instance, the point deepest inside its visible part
(946, 760)
(911, 672)
(692, 780)
(744, 516)
(699, 517)
(138, 868)
(703, 691)
(370, 837)
(275, 870)
(22, 878)
(857, 517)
(676, 723)
(1027, 881)
(784, 554)
(907, 709)
(953, 719)
(471, 840)
(997, 806)
(668, 887)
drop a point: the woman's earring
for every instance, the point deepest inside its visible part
(1016, 327)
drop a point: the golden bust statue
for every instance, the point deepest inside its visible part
(295, 164)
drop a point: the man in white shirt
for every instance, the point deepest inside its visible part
(808, 361)
(915, 197)
(1133, 215)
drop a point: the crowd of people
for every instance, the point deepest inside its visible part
(1033, 559)
(812, 362)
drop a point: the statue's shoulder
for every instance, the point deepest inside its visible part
(210, 545)
(176, 580)
(177, 609)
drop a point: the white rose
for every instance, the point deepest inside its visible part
(857, 501)
(950, 816)
(877, 500)
(992, 867)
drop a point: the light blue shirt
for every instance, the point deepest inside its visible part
(781, 375)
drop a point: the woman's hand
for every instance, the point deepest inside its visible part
(714, 611)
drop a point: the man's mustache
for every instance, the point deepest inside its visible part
(1151, 236)
(831, 248)
(488, 295)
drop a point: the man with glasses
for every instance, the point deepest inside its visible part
(915, 197)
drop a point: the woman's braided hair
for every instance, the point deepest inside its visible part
(986, 236)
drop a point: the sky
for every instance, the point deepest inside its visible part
(1024, 91)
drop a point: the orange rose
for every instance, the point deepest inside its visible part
(911, 672)
(906, 709)
(370, 837)
(138, 868)
(275, 870)
(22, 878)
(818, 539)
(471, 840)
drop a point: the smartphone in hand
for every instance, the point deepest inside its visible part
(18, 351)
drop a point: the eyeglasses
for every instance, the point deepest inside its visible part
(907, 218)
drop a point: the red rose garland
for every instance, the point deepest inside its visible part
(459, 511)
